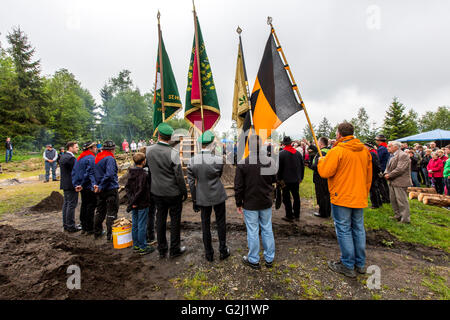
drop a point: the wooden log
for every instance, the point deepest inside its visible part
(423, 190)
(423, 194)
(413, 195)
(437, 201)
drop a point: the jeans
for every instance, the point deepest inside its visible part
(49, 166)
(415, 178)
(139, 227)
(351, 236)
(427, 179)
(68, 210)
(8, 155)
(254, 220)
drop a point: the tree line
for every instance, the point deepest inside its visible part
(37, 109)
(398, 123)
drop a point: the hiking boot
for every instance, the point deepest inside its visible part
(269, 265)
(360, 270)
(340, 268)
(162, 254)
(109, 238)
(136, 249)
(209, 257)
(152, 242)
(224, 255)
(287, 219)
(251, 265)
(145, 251)
(98, 236)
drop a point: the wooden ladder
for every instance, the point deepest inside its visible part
(188, 148)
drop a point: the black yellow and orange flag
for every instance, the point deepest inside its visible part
(241, 103)
(273, 100)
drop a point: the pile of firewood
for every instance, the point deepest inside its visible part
(121, 222)
(429, 196)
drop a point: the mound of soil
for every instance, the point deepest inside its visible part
(54, 202)
(34, 265)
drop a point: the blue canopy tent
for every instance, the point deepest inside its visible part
(434, 135)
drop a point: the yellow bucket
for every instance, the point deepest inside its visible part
(122, 237)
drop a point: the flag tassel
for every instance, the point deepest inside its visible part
(294, 87)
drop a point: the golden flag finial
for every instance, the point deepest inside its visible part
(239, 30)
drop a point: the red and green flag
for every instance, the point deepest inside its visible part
(166, 100)
(201, 91)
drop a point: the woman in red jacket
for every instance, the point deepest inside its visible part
(436, 172)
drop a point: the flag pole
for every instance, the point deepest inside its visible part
(294, 86)
(163, 109)
(239, 31)
(198, 66)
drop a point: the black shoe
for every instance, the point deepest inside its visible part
(210, 258)
(178, 253)
(83, 232)
(45, 181)
(251, 265)
(72, 230)
(287, 219)
(163, 254)
(109, 238)
(98, 236)
(224, 255)
(297, 218)
(88, 233)
(340, 268)
(360, 270)
(269, 265)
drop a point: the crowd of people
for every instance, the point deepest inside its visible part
(345, 172)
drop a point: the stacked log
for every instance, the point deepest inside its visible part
(413, 195)
(437, 199)
(422, 190)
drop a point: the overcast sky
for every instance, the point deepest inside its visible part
(344, 54)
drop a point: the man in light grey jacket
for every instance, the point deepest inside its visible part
(398, 174)
(168, 190)
(207, 191)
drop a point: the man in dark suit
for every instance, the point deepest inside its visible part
(290, 173)
(207, 191)
(67, 162)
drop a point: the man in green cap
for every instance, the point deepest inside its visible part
(168, 190)
(207, 191)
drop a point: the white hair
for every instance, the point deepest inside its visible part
(398, 144)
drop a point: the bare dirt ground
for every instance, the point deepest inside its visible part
(35, 255)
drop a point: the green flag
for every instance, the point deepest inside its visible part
(171, 99)
(201, 90)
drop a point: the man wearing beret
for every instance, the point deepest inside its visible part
(168, 190)
(207, 191)
(83, 178)
(107, 189)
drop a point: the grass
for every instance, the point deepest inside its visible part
(16, 197)
(436, 283)
(429, 226)
(19, 156)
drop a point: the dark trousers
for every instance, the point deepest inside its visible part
(151, 222)
(87, 210)
(291, 188)
(168, 206)
(323, 197)
(107, 207)
(439, 185)
(219, 210)
(384, 190)
(375, 194)
(68, 210)
(422, 179)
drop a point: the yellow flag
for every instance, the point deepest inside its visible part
(240, 100)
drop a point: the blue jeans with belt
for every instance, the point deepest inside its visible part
(254, 219)
(49, 166)
(351, 236)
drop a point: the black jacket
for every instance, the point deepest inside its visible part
(66, 164)
(414, 164)
(291, 168)
(253, 183)
(138, 188)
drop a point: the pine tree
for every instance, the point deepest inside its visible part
(435, 120)
(324, 129)
(396, 124)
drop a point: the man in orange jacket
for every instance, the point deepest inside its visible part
(348, 168)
